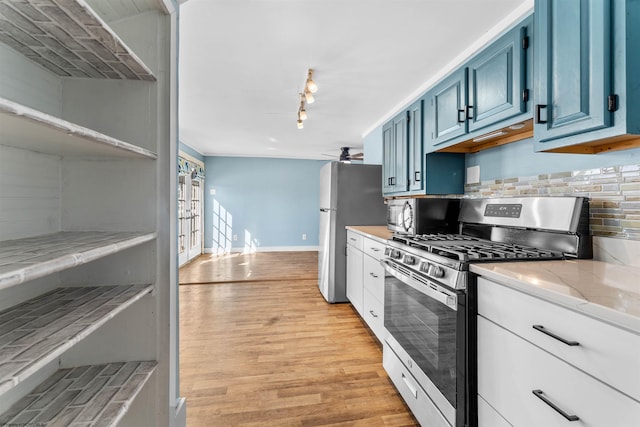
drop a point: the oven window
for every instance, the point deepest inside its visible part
(426, 329)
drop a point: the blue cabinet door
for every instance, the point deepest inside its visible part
(497, 80)
(400, 181)
(416, 149)
(388, 158)
(447, 109)
(572, 67)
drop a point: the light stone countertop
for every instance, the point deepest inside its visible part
(377, 232)
(606, 291)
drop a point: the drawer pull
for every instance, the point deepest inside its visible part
(352, 239)
(375, 249)
(375, 276)
(541, 328)
(412, 388)
(373, 313)
(539, 395)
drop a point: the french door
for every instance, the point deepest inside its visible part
(189, 218)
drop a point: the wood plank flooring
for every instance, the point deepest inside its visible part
(237, 267)
(274, 353)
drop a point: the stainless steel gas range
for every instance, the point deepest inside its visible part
(430, 294)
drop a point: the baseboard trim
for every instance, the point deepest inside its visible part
(179, 413)
(221, 251)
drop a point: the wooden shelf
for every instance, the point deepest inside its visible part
(69, 39)
(39, 330)
(83, 396)
(26, 259)
(26, 128)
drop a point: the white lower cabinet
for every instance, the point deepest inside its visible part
(355, 277)
(521, 383)
(365, 280)
(489, 417)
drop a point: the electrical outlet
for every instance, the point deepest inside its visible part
(212, 191)
(235, 237)
(304, 237)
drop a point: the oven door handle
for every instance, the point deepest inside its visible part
(432, 290)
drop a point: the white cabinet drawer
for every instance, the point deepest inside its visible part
(374, 277)
(373, 314)
(510, 369)
(373, 248)
(608, 353)
(355, 239)
(488, 417)
(421, 406)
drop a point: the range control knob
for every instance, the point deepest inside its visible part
(409, 260)
(396, 254)
(435, 271)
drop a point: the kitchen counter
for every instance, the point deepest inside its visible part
(376, 232)
(606, 291)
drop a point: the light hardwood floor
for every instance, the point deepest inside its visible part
(274, 353)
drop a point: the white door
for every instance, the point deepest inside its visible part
(189, 218)
(195, 220)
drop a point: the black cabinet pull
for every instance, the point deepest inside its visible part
(373, 313)
(539, 395)
(541, 328)
(392, 180)
(538, 108)
(416, 176)
(469, 112)
(464, 115)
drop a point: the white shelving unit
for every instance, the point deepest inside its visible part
(87, 159)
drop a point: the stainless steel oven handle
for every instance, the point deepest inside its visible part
(433, 290)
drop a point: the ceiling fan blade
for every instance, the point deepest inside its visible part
(357, 156)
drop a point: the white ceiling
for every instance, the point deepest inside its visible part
(244, 62)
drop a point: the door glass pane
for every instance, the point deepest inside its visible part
(182, 214)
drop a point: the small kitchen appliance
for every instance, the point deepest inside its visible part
(422, 215)
(429, 294)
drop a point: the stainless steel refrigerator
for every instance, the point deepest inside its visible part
(350, 194)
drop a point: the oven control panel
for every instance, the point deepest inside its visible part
(503, 210)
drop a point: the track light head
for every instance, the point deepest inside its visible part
(308, 96)
(300, 124)
(303, 114)
(311, 85)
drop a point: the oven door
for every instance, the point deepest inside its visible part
(428, 322)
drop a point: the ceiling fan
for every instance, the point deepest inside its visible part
(345, 156)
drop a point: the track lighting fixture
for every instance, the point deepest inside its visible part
(306, 97)
(311, 85)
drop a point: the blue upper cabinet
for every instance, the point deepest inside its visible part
(473, 107)
(415, 147)
(572, 67)
(587, 64)
(394, 155)
(497, 79)
(447, 108)
(406, 170)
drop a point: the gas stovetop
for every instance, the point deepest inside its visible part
(464, 248)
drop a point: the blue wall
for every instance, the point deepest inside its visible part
(519, 160)
(373, 147)
(266, 203)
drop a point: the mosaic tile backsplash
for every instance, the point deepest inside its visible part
(614, 194)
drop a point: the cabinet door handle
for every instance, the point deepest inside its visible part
(375, 276)
(539, 395)
(539, 107)
(416, 176)
(464, 115)
(541, 328)
(373, 313)
(469, 113)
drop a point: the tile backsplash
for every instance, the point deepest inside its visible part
(614, 194)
